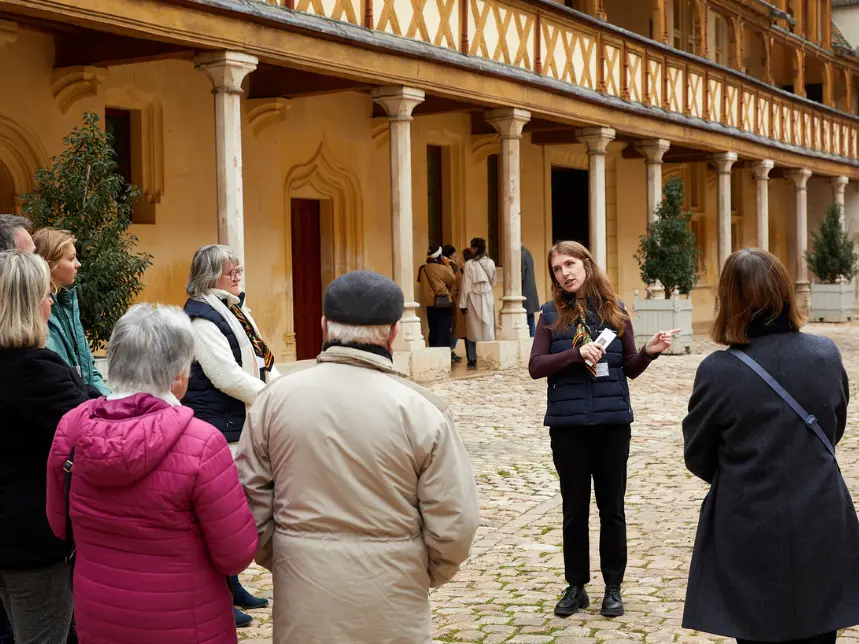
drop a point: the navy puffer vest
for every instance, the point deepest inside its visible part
(575, 397)
(208, 402)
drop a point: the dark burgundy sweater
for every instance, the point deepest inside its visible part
(543, 363)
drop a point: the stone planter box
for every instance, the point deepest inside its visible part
(832, 302)
(654, 315)
(101, 365)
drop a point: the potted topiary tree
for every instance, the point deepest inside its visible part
(83, 193)
(834, 263)
(668, 261)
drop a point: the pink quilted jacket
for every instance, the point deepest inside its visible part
(159, 520)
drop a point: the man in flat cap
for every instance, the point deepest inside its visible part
(362, 490)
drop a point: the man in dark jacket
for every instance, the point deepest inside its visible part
(529, 289)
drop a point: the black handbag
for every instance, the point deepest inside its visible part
(442, 302)
(70, 539)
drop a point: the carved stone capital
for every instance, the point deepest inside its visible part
(724, 161)
(508, 122)
(799, 177)
(226, 69)
(839, 184)
(653, 149)
(762, 169)
(596, 139)
(398, 102)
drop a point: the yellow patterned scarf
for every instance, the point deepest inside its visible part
(260, 347)
(583, 335)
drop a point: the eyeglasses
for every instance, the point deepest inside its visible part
(236, 274)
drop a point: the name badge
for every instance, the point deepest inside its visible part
(602, 369)
(261, 362)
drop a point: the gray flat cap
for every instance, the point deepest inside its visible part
(363, 298)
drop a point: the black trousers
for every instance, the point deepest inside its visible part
(599, 453)
(825, 638)
(439, 321)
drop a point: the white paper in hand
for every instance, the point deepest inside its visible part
(605, 338)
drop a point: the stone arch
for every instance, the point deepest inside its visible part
(338, 189)
(21, 153)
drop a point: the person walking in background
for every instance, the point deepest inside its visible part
(589, 414)
(232, 363)
(775, 557)
(66, 334)
(15, 234)
(157, 511)
(476, 299)
(36, 389)
(362, 490)
(457, 320)
(529, 289)
(438, 286)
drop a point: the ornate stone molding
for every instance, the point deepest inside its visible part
(21, 153)
(148, 127)
(264, 113)
(72, 84)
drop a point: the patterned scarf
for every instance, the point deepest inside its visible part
(260, 348)
(583, 335)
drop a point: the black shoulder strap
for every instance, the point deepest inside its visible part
(809, 419)
(67, 469)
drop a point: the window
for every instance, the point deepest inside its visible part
(435, 207)
(685, 27)
(493, 241)
(721, 40)
(118, 125)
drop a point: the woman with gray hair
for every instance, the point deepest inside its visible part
(158, 514)
(232, 363)
(36, 389)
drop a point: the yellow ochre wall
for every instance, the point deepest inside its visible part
(330, 148)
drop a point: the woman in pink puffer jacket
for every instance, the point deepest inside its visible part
(158, 514)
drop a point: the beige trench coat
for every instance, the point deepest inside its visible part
(364, 498)
(478, 279)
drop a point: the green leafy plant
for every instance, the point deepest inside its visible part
(833, 255)
(82, 192)
(667, 254)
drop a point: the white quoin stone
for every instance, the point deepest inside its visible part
(653, 152)
(762, 197)
(724, 161)
(509, 123)
(227, 70)
(596, 140)
(399, 103)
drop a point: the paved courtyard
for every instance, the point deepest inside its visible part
(508, 588)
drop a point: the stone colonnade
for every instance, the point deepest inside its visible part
(227, 70)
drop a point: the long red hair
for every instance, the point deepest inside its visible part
(597, 288)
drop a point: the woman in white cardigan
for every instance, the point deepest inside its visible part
(232, 363)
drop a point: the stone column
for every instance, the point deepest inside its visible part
(803, 289)
(762, 184)
(653, 151)
(509, 123)
(839, 184)
(724, 161)
(398, 103)
(227, 70)
(596, 139)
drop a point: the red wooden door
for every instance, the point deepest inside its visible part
(306, 278)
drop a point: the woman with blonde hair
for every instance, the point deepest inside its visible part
(36, 389)
(589, 413)
(66, 334)
(775, 557)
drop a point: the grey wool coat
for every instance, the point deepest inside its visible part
(529, 283)
(777, 550)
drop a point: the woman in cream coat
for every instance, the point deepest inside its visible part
(232, 363)
(476, 300)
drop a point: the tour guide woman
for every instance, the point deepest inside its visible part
(589, 413)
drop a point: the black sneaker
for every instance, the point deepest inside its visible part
(571, 601)
(455, 358)
(612, 604)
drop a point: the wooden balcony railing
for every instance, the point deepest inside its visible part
(552, 41)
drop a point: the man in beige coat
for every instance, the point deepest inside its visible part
(362, 490)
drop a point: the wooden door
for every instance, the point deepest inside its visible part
(306, 278)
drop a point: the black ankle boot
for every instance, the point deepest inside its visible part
(243, 599)
(571, 601)
(612, 604)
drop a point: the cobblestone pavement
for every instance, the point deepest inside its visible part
(508, 588)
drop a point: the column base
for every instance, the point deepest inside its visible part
(502, 355)
(424, 365)
(803, 297)
(514, 325)
(410, 337)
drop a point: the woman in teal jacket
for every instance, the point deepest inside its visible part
(65, 331)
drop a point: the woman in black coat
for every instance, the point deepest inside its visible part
(776, 557)
(36, 389)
